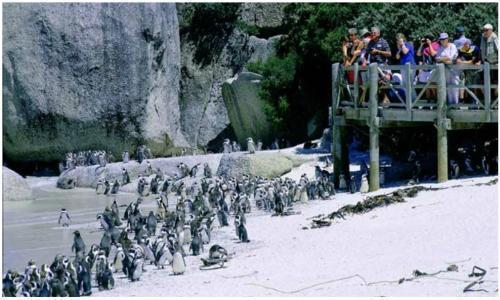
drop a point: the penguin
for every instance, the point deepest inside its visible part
(207, 171)
(187, 235)
(148, 251)
(204, 233)
(250, 145)
(455, 169)
(105, 244)
(196, 244)
(118, 261)
(154, 186)
(364, 185)
(469, 170)
(100, 188)
(342, 182)
(78, 245)
(71, 287)
(125, 177)
(193, 171)
(241, 230)
(44, 289)
(485, 165)
(107, 187)
(178, 263)
(113, 250)
(136, 267)
(151, 224)
(417, 170)
(8, 286)
(84, 278)
(164, 256)
(149, 168)
(125, 157)
(352, 185)
(64, 219)
(115, 188)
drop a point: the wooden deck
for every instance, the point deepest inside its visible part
(357, 104)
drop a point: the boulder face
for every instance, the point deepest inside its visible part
(265, 164)
(15, 187)
(90, 76)
(245, 108)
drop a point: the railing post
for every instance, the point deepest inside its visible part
(335, 86)
(487, 91)
(409, 92)
(356, 83)
(374, 179)
(442, 126)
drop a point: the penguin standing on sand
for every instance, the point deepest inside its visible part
(196, 244)
(99, 189)
(250, 145)
(352, 185)
(163, 254)
(151, 224)
(136, 267)
(78, 244)
(241, 229)
(364, 185)
(178, 263)
(342, 183)
(115, 188)
(64, 218)
(107, 187)
(455, 169)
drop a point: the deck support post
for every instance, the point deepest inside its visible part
(442, 126)
(373, 124)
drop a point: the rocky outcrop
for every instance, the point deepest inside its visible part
(15, 187)
(246, 109)
(88, 176)
(269, 164)
(90, 76)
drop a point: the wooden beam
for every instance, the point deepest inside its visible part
(442, 134)
(374, 179)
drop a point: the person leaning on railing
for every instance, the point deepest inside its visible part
(447, 54)
(405, 55)
(424, 57)
(489, 52)
(351, 51)
(469, 54)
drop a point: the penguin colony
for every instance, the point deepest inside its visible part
(133, 240)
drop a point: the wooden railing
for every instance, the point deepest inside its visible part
(355, 94)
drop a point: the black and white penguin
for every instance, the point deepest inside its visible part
(178, 263)
(241, 229)
(100, 188)
(136, 267)
(352, 185)
(118, 261)
(71, 286)
(115, 188)
(454, 169)
(417, 172)
(105, 244)
(84, 278)
(107, 187)
(364, 188)
(342, 182)
(194, 171)
(151, 224)
(78, 245)
(250, 145)
(196, 244)
(207, 171)
(64, 219)
(125, 177)
(163, 255)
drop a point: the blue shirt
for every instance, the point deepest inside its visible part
(408, 57)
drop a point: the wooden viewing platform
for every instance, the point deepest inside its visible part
(358, 104)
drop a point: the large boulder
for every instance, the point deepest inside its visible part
(246, 109)
(89, 176)
(90, 76)
(269, 164)
(15, 186)
(263, 15)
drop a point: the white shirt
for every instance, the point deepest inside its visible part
(451, 51)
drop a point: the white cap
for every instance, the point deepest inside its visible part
(488, 26)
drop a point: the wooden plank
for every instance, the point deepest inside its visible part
(408, 81)
(442, 134)
(487, 89)
(374, 179)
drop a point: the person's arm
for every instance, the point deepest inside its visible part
(404, 49)
(432, 51)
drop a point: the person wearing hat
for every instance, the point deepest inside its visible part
(459, 37)
(468, 54)
(489, 51)
(447, 54)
